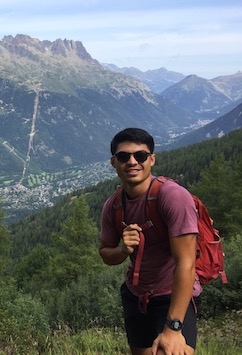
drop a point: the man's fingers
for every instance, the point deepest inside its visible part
(134, 227)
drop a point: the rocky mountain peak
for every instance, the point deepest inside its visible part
(68, 48)
(19, 39)
(32, 48)
(22, 46)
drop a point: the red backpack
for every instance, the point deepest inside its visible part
(210, 257)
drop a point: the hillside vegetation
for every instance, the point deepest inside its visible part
(53, 281)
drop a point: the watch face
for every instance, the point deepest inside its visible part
(174, 324)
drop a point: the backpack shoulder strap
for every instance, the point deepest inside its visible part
(152, 201)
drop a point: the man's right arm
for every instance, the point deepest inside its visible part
(112, 255)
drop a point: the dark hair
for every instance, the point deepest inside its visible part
(136, 135)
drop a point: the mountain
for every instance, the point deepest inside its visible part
(218, 128)
(209, 98)
(230, 85)
(60, 108)
(157, 79)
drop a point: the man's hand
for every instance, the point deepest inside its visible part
(171, 343)
(131, 238)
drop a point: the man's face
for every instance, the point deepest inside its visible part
(134, 170)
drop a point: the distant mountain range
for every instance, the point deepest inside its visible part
(157, 80)
(208, 98)
(60, 108)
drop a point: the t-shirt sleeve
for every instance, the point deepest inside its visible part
(178, 209)
(109, 233)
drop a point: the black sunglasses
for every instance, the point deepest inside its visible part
(140, 156)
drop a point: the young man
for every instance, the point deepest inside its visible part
(160, 317)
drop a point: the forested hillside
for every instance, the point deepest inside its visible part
(186, 165)
(51, 270)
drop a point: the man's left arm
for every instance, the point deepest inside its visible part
(183, 249)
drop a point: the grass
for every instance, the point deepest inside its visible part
(98, 341)
(221, 336)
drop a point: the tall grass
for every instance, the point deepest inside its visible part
(220, 336)
(216, 337)
(90, 342)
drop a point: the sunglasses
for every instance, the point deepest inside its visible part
(140, 156)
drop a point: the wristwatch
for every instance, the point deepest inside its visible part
(174, 324)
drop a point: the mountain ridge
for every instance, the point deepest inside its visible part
(157, 79)
(206, 95)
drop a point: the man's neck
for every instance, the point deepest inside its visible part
(133, 190)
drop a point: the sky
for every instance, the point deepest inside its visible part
(189, 37)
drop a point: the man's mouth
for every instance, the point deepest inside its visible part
(132, 171)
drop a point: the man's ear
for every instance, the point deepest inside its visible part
(112, 161)
(152, 160)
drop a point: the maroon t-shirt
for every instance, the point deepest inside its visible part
(178, 211)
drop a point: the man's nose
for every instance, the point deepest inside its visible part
(132, 159)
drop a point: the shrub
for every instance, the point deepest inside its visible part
(23, 322)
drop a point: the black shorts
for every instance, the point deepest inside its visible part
(143, 328)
